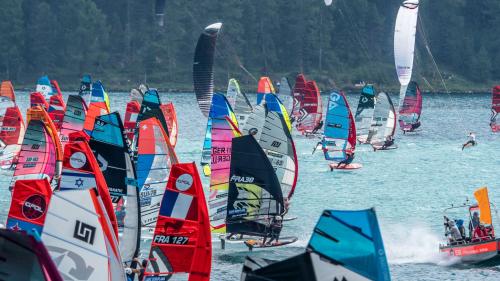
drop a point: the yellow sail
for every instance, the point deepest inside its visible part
(484, 205)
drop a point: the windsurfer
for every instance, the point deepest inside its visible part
(321, 144)
(348, 160)
(470, 141)
(275, 225)
(389, 141)
(130, 272)
(318, 127)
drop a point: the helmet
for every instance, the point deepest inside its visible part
(278, 218)
(451, 223)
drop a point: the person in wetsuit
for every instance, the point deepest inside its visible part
(318, 127)
(347, 161)
(471, 139)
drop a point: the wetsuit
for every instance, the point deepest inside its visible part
(387, 143)
(318, 127)
(347, 161)
(471, 141)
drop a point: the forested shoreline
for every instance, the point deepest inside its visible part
(121, 43)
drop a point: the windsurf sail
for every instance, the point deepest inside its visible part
(130, 122)
(55, 87)
(340, 129)
(273, 104)
(220, 108)
(81, 171)
(107, 141)
(44, 87)
(150, 107)
(28, 208)
(277, 143)
(345, 245)
(255, 195)
(37, 99)
(41, 152)
(85, 90)
(93, 111)
(383, 126)
(311, 109)
(86, 248)
(182, 241)
(299, 90)
(56, 110)
(223, 132)
(265, 87)
(255, 123)
(155, 157)
(203, 73)
(25, 258)
(74, 117)
(12, 131)
(404, 43)
(7, 90)
(286, 95)
(170, 115)
(239, 102)
(99, 95)
(411, 108)
(364, 112)
(495, 109)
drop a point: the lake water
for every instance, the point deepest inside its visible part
(409, 187)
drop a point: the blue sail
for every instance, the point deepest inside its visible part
(340, 131)
(352, 238)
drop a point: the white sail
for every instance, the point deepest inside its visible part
(404, 40)
(79, 237)
(239, 102)
(384, 120)
(277, 143)
(255, 122)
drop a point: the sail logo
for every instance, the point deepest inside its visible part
(34, 207)
(77, 160)
(240, 179)
(84, 232)
(334, 97)
(276, 144)
(79, 271)
(184, 182)
(167, 239)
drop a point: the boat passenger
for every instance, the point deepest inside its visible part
(348, 160)
(454, 232)
(480, 234)
(461, 227)
(471, 140)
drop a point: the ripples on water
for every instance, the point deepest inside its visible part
(409, 186)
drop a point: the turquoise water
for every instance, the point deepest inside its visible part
(409, 186)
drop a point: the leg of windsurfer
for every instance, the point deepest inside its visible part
(348, 160)
(318, 127)
(471, 140)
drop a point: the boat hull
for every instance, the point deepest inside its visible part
(474, 252)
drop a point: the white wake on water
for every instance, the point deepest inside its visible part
(413, 244)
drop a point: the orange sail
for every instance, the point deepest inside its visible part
(168, 111)
(94, 110)
(484, 205)
(7, 90)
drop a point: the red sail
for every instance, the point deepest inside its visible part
(298, 92)
(12, 126)
(133, 108)
(37, 98)
(56, 110)
(311, 109)
(29, 205)
(170, 115)
(182, 241)
(81, 171)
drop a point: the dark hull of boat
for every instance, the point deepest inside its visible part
(475, 253)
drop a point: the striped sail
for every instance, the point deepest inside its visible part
(384, 120)
(223, 131)
(203, 73)
(74, 118)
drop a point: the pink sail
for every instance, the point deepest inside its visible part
(411, 108)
